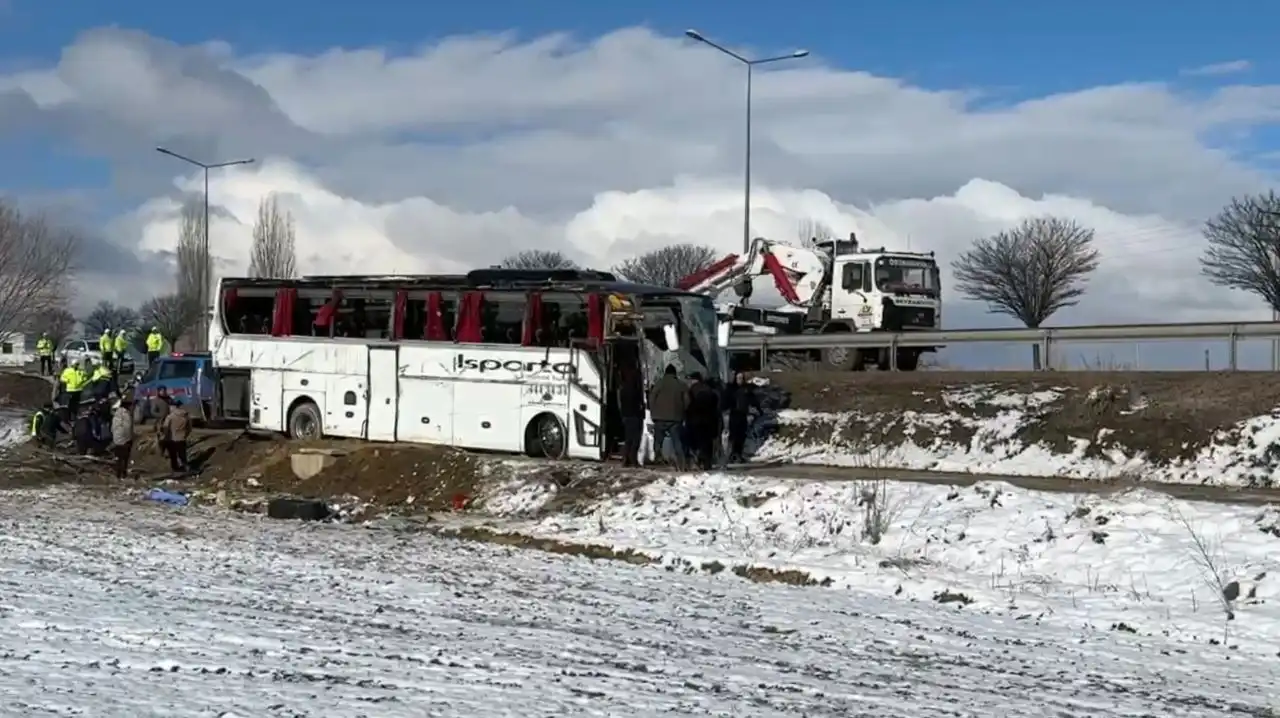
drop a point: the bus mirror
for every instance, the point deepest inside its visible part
(722, 334)
(670, 336)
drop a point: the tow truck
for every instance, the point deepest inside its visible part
(837, 286)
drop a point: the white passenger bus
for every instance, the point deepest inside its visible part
(523, 361)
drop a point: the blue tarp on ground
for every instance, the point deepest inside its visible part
(166, 497)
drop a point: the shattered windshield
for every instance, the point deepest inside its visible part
(696, 322)
(900, 274)
(700, 324)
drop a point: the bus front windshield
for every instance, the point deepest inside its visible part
(700, 323)
(695, 321)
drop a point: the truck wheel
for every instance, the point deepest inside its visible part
(908, 360)
(840, 358)
(305, 422)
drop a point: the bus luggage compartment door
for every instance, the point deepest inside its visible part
(586, 423)
(384, 393)
(266, 389)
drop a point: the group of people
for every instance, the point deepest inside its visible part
(98, 414)
(107, 427)
(689, 418)
(113, 346)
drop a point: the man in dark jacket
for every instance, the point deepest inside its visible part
(739, 400)
(631, 407)
(703, 420)
(667, 403)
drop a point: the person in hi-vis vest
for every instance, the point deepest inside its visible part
(44, 350)
(107, 346)
(73, 380)
(155, 345)
(121, 349)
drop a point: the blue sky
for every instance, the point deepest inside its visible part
(1010, 49)
(1032, 48)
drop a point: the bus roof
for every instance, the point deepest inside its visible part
(527, 279)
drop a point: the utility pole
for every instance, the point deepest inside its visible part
(206, 304)
(750, 64)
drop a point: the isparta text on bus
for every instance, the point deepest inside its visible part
(462, 363)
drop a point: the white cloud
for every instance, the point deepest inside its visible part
(473, 147)
(1219, 68)
(1148, 261)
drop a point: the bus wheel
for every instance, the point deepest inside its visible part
(305, 422)
(545, 437)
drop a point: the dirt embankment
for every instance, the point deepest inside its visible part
(427, 478)
(252, 467)
(23, 392)
(1166, 416)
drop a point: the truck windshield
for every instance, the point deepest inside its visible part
(907, 275)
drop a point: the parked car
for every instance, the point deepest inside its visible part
(190, 379)
(75, 351)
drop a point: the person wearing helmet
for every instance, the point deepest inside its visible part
(155, 344)
(73, 380)
(44, 349)
(107, 346)
(101, 381)
(121, 349)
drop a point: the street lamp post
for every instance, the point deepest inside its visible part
(204, 290)
(751, 65)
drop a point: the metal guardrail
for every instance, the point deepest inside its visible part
(1230, 332)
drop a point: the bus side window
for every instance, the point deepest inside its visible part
(502, 317)
(564, 318)
(248, 313)
(364, 317)
(449, 314)
(305, 308)
(415, 318)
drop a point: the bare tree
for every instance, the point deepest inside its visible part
(36, 261)
(56, 322)
(1029, 272)
(173, 314)
(1244, 247)
(109, 316)
(195, 268)
(810, 231)
(667, 266)
(538, 259)
(273, 253)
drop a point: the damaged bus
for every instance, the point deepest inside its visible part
(521, 361)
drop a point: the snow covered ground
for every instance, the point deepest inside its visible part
(113, 609)
(1133, 561)
(1241, 456)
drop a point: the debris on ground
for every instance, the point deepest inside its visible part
(161, 496)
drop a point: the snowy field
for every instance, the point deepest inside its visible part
(1241, 456)
(113, 609)
(1135, 561)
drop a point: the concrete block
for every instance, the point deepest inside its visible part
(309, 462)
